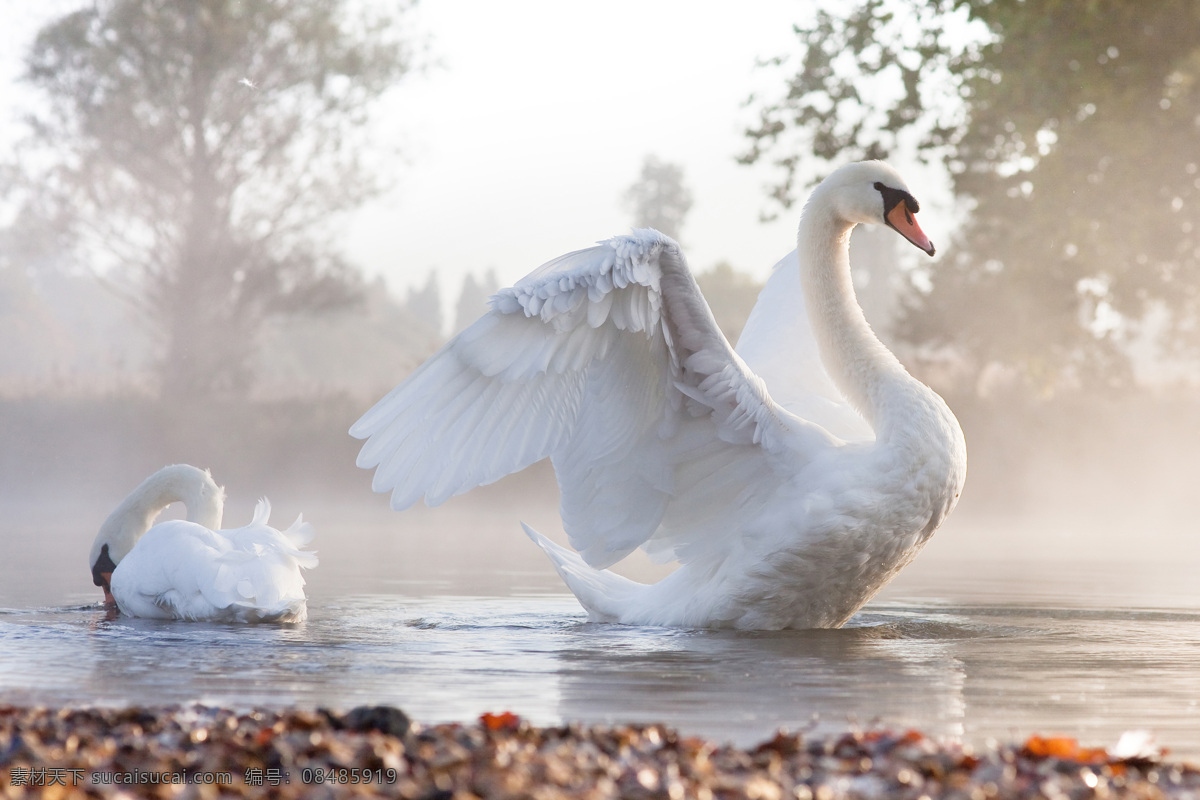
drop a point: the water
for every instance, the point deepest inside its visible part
(469, 620)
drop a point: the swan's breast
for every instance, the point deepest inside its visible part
(855, 517)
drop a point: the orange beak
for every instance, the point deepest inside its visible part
(906, 225)
(108, 597)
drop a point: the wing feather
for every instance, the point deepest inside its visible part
(608, 361)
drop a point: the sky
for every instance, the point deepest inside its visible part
(532, 119)
(521, 140)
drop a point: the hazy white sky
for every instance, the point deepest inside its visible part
(520, 145)
(520, 140)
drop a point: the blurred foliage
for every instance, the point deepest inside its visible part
(197, 155)
(473, 298)
(731, 295)
(659, 198)
(361, 352)
(63, 330)
(99, 446)
(1070, 131)
(425, 303)
(66, 336)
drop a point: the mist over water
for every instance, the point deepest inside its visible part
(1060, 596)
(1008, 624)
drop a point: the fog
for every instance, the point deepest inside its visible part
(1086, 483)
(1076, 477)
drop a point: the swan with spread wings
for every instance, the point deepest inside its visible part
(790, 478)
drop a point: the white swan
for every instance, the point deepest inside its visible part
(790, 480)
(192, 570)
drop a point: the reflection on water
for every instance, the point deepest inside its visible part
(968, 673)
(453, 612)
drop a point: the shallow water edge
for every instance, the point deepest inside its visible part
(958, 673)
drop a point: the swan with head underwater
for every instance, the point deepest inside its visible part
(790, 479)
(192, 569)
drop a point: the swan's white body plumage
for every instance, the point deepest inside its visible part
(791, 479)
(193, 570)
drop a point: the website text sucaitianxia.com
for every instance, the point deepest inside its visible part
(63, 776)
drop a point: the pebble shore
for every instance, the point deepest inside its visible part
(203, 752)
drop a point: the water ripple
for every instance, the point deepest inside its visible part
(967, 672)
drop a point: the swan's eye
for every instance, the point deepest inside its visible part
(894, 197)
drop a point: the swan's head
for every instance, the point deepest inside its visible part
(873, 193)
(193, 487)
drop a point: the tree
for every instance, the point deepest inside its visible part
(201, 153)
(1068, 128)
(659, 199)
(425, 304)
(731, 295)
(473, 298)
(360, 351)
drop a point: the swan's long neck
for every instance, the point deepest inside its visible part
(863, 369)
(205, 502)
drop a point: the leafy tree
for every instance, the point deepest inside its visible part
(200, 153)
(1069, 129)
(659, 198)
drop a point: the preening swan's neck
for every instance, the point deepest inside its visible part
(205, 502)
(863, 369)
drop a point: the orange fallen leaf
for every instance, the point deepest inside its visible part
(504, 721)
(1064, 747)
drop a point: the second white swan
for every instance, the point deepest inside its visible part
(193, 569)
(790, 479)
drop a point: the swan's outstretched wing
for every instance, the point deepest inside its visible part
(608, 361)
(778, 344)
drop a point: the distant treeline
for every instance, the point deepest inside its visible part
(1131, 457)
(82, 448)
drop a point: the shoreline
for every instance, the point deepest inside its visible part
(202, 751)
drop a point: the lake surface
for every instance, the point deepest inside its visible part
(451, 619)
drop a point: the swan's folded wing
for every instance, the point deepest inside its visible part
(778, 345)
(608, 361)
(169, 574)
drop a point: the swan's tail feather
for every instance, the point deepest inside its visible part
(603, 594)
(262, 512)
(290, 541)
(300, 533)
